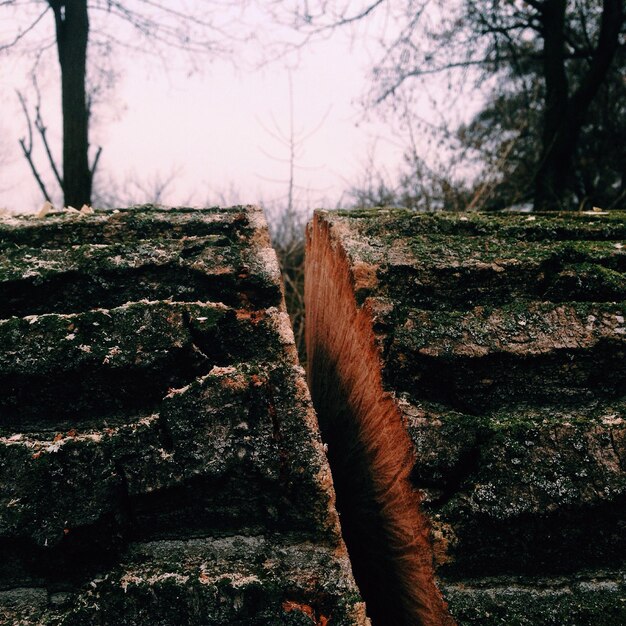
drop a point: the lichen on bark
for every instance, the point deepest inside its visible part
(501, 340)
(160, 460)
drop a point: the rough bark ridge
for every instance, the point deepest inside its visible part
(497, 347)
(160, 461)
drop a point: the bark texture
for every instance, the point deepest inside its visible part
(160, 460)
(495, 346)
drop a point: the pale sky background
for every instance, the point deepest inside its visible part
(208, 129)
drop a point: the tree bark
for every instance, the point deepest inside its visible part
(72, 31)
(564, 116)
(478, 369)
(90, 499)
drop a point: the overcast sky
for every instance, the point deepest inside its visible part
(211, 131)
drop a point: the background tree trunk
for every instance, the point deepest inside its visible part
(549, 184)
(564, 116)
(72, 29)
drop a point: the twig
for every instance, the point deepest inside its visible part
(95, 161)
(39, 125)
(28, 150)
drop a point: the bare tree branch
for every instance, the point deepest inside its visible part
(41, 128)
(39, 125)
(24, 32)
(27, 149)
(95, 161)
